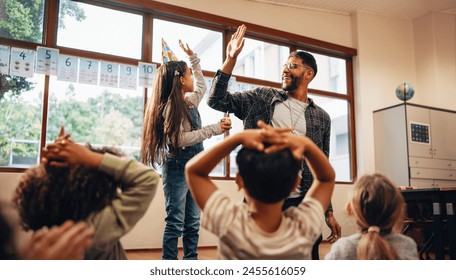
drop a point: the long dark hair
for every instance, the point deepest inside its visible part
(164, 114)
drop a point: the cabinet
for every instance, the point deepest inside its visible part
(415, 145)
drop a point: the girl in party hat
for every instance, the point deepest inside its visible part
(172, 135)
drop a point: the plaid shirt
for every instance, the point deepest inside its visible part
(259, 103)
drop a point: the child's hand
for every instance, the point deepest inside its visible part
(275, 137)
(62, 135)
(225, 125)
(281, 138)
(251, 139)
(64, 151)
(297, 144)
(256, 138)
(267, 127)
(66, 242)
(225, 122)
(185, 48)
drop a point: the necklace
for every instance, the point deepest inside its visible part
(301, 112)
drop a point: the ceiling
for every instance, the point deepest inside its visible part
(403, 9)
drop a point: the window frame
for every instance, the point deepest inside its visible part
(152, 9)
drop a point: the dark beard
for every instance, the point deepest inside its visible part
(292, 86)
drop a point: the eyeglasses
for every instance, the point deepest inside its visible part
(293, 66)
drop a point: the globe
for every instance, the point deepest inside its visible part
(405, 91)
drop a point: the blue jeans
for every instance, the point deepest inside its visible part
(182, 213)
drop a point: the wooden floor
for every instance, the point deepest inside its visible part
(204, 253)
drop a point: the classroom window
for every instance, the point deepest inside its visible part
(22, 20)
(339, 154)
(114, 32)
(101, 116)
(20, 111)
(101, 30)
(331, 75)
(207, 44)
(342, 144)
(261, 60)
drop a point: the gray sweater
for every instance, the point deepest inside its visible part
(117, 219)
(345, 247)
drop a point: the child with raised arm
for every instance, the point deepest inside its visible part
(268, 164)
(173, 134)
(378, 207)
(77, 183)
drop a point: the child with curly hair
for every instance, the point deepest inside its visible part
(79, 183)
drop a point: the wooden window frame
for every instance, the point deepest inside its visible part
(152, 9)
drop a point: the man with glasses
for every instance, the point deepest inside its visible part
(290, 107)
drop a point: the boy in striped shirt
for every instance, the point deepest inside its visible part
(269, 165)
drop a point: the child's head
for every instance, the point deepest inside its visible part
(378, 207)
(173, 78)
(268, 178)
(48, 195)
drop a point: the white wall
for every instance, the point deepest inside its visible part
(385, 59)
(390, 51)
(8, 181)
(435, 44)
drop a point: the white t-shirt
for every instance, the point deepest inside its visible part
(291, 113)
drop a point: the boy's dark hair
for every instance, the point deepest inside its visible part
(307, 59)
(48, 196)
(268, 178)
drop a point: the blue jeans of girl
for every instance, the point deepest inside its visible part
(182, 213)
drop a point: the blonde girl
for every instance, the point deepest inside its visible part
(378, 208)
